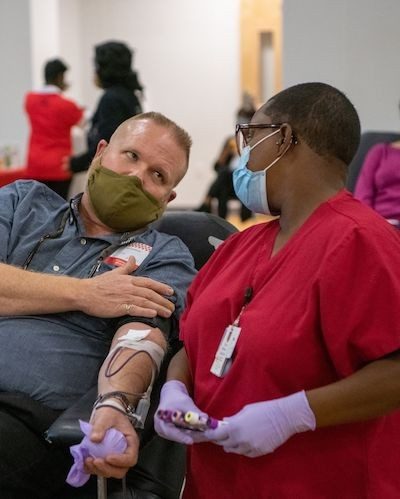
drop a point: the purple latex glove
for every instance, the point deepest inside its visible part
(260, 428)
(174, 396)
(114, 442)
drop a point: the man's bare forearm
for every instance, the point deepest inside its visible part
(23, 292)
(111, 294)
(135, 375)
(132, 377)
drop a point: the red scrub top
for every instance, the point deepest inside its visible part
(324, 306)
(51, 117)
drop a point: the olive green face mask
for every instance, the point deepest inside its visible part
(120, 202)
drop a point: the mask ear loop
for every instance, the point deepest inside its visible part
(264, 138)
(293, 141)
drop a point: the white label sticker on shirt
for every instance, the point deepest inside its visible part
(138, 251)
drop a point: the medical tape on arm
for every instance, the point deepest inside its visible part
(134, 339)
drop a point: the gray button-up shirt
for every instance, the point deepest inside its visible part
(55, 358)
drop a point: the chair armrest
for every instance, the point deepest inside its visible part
(65, 430)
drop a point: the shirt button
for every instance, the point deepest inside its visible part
(56, 268)
(83, 241)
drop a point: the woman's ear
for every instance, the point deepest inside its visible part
(281, 141)
(285, 137)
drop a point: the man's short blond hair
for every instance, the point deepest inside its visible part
(181, 135)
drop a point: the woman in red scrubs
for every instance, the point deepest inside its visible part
(292, 330)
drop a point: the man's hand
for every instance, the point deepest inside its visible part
(116, 293)
(114, 465)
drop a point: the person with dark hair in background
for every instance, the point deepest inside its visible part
(120, 100)
(51, 117)
(221, 188)
(292, 328)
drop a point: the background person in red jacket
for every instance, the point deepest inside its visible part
(51, 117)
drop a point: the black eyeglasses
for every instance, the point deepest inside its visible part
(244, 132)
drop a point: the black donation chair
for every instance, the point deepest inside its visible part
(160, 471)
(368, 139)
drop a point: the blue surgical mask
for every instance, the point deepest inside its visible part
(251, 187)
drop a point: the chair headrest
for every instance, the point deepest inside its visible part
(201, 232)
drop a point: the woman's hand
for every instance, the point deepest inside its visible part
(174, 397)
(262, 427)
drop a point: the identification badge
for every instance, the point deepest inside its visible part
(225, 350)
(138, 251)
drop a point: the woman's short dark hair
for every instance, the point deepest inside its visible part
(113, 61)
(320, 115)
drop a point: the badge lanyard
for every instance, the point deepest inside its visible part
(54, 235)
(226, 347)
(223, 356)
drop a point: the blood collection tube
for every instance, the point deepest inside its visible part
(191, 420)
(200, 422)
(177, 418)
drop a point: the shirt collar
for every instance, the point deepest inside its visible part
(49, 89)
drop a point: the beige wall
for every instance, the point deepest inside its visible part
(256, 17)
(189, 56)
